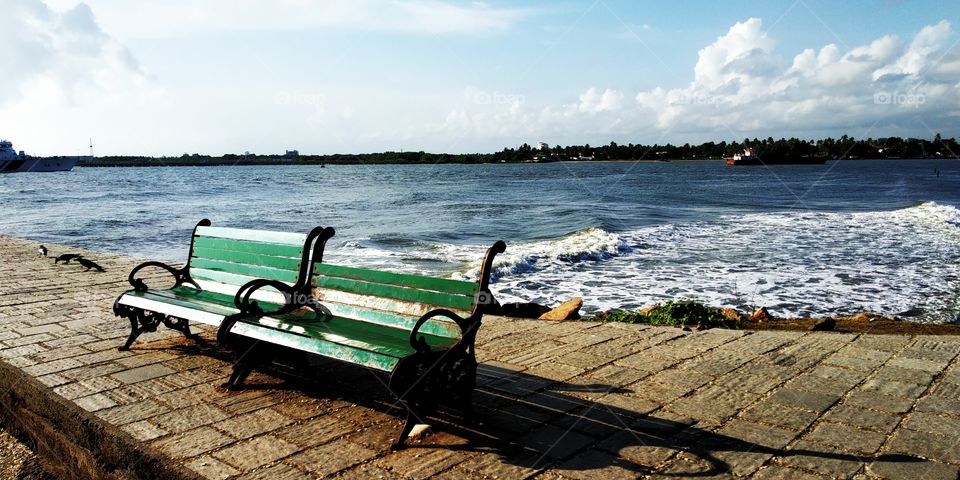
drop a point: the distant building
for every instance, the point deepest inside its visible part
(291, 154)
(542, 146)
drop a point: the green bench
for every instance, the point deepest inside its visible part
(420, 330)
(220, 265)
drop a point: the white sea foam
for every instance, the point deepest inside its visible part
(807, 263)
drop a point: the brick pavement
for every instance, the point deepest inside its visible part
(554, 400)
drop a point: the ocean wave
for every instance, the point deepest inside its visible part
(795, 263)
(590, 244)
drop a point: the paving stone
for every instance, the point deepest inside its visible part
(247, 401)
(192, 443)
(687, 465)
(420, 463)
(250, 424)
(746, 446)
(930, 423)
(777, 472)
(642, 448)
(131, 413)
(947, 390)
(368, 471)
(189, 418)
(813, 401)
(847, 437)
(830, 386)
(316, 431)
(908, 375)
(331, 458)
(831, 461)
(617, 376)
(556, 443)
(939, 405)
(144, 430)
(918, 469)
(279, 471)
(594, 464)
(490, 465)
(883, 422)
(141, 374)
(209, 467)
(757, 384)
(877, 401)
(757, 434)
(927, 445)
(894, 388)
(558, 372)
(255, 452)
(97, 401)
(713, 404)
(917, 364)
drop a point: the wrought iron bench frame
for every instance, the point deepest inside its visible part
(421, 381)
(144, 320)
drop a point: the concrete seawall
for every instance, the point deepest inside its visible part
(555, 400)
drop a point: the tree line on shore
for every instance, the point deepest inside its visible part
(844, 147)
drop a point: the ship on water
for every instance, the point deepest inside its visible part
(749, 158)
(12, 161)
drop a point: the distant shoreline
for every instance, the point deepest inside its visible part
(234, 163)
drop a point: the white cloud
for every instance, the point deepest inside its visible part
(593, 101)
(50, 57)
(171, 18)
(740, 85)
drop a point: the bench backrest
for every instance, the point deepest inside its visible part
(390, 299)
(224, 259)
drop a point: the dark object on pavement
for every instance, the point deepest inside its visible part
(66, 258)
(89, 264)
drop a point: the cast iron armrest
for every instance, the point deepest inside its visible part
(420, 344)
(179, 274)
(247, 306)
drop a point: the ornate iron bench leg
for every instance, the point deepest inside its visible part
(255, 355)
(181, 325)
(134, 333)
(407, 428)
(140, 322)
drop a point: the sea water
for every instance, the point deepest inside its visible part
(835, 239)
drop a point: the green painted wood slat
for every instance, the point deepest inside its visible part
(220, 277)
(242, 269)
(282, 263)
(442, 327)
(459, 302)
(443, 285)
(271, 249)
(263, 236)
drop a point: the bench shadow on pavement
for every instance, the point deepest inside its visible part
(533, 423)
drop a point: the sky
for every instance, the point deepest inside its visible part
(353, 76)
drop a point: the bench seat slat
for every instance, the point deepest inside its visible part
(244, 246)
(440, 327)
(341, 339)
(221, 277)
(263, 236)
(458, 302)
(444, 285)
(254, 271)
(192, 310)
(203, 298)
(283, 263)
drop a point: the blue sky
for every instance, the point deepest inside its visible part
(217, 76)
